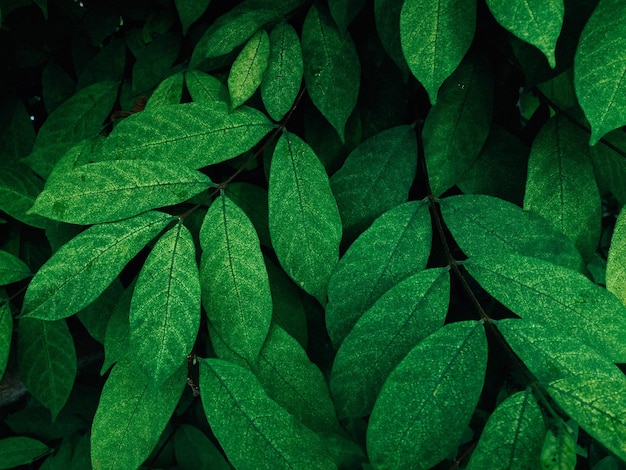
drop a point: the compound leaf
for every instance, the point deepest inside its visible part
(20, 450)
(247, 70)
(12, 269)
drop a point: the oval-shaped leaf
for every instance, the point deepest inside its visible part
(6, 332)
(375, 177)
(114, 190)
(253, 430)
(396, 246)
(401, 318)
(427, 401)
(616, 261)
(252, 199)
(19, 187)
(205, 87)
(304, 221)
(247, 70)
(435, 35)
(599, 68)
(387, 15)
(21, 450)
(332, 70)
(165, 309)
(82, 268)
(47, 361)
(12, 269)
(235, 287)
(169, 92)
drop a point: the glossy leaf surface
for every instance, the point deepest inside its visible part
(12, 269)
(15, 451)
(248, 69)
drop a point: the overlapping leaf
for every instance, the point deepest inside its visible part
(387, 15)
(6, 332)
(168, 92)
(20, 450)
(19, 188)
(559, 450)
(194, 449)
(12, 269)
(205, 87)
(616, 261)
(247, 71)
(189, 11)
(344, 11)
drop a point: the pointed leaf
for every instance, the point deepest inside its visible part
(253, 430)
(12, 269)
(114, 190)
(169, 92)
(19, 187)
(435, 35)
(375, 177)
(252, 199)
(396, 246)
(189, 11)
(428, 400)
(47, 361)
(165, 309)
(610, 165)
(235, 288)
(131, 416)
(81, 269)
(387, 14)
(599, 68)
(116, 337)
(205, 87)
(195, 450)
(559, 451)
(332, 70)
(616, 261)
(344, 11)
(21, 450)
(247, 70)
(6, 332)
(399, 320)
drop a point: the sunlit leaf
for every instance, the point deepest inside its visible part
(248, 69)
(252, 200)
(12, 269)
(20, 450)
(168, 92)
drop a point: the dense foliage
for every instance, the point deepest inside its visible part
(313, 234)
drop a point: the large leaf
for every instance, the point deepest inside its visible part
(253, 430)
(20, 450)
(428, 400)
(435, 35)
(616, 261)
(235, 287)
(401, 318)
(599, 68)
(331, 68)
(131, 416)
(192, 134)
(396, 246)
(555, 296)
(12, 269)
(375, 177)
(81, 269)
(47, 361)
(19, 188)
(248, 69)
(165, 309)
(6, 332)
(512, 437)
(304, 221)
(118, 189)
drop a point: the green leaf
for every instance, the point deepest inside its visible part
(344, 11)
(616, 261)
(83, 268)
(610, 165)
(253, 430)
(435, 35)
(332, 70)
(205, 87)
(248, 69)
(6, 332)
(458, 125)
(399, 320)
(131, 416)
(512, 437)
(395, 246)
(114, 190)
(116, 336)
(483, 225)
(535, 21)
(556, 297)
(57, 85)
(252, 199)
(283, 76)
(304, 221)
(428, 400)
(599, 68)
(47, 361)
(95, 317)
(169, 92)
(387, 15)
(561, 184)
(18, 133)
(191, 134)
(12, 269)
(559, 451)
(165, 309)
(195, 450)
(154, 62)
(375, 177)
(19, 188)
(235, 287)
(189, 11)
(15, 451)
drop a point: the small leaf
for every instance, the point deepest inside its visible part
(247, 70)
(344, 11)
(512, 437)
(399, 320)
(47, 361)
(428, 400)
(19, 188)
(189, 11)
(395, 246)
(12, 269)
(253, 430)
(332, 70)
(6, 332)
(559, 451)
(195, 450)
(113, 190)
(131, 416)
(304, 221)
(599, 68)
(21, 450)
(616, 261)
(205, 87)
(167, 93)
(435, 35)
(95, 317)
(165, 309)
(235, 287)
(83, 268)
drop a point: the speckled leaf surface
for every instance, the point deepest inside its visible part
(20, 450)
(12, 269)
(559, 450)
(205, 87)
(248, 68)
(616, 261)
(168, 92)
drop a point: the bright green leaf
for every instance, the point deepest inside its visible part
(165, 309)
(189, 11)
(344, 11)
(6, 332)
(399, 320)
(19, 188)
(248, 69)
(332, 70)
(195, 450)
(435, 35)
(559, 451)
(47, 361)
(304, 221)
(167, 93)
(205, 87)
(83, 268)
(12, 269)
(427, 401)
(21, 450)
(616, 261)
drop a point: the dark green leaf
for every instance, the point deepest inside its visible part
(344, 11)
(95, 317)
(18, 133)
(189, 11)
(252, 200)
(616, 262)
(12, 269)
(116, 337)
(107, 64)
(57, 85)
(387, 13)
(195, 450)
(168, 92)
(6, 332)
(19, 187)
(155, 62)
(610, 165)
(304, 221)
(205, 87)
(81, 269)
(15, 451)
(247, 71)
(428, 400)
